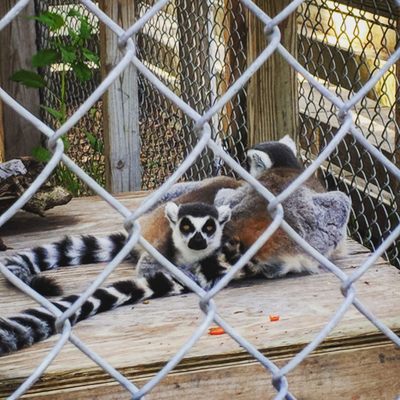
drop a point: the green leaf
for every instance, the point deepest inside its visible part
(28, 78)
(68, 54)
(67, 143)
(91, 139)
(82, 71)
(41, 154)
(74, 13)
(58, 115)
(93, 112)
(52, 20)
(90, 56)
(45, 57)
(85, 30)
(95, 143)
(73, 35)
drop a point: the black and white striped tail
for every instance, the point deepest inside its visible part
(36, 324)
(69, 251)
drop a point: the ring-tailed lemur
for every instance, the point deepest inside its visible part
(70, 251)
(196, 235)
(318, 217)
(88, 249)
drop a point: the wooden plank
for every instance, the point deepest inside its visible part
(355, 359)
(387, 8)
(383, 129)
(120, 106)
(372, 31)
(81, 215)
(17, 45)
(272, 99)
(353, 62)
(362, 374)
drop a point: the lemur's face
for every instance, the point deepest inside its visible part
(196, 229)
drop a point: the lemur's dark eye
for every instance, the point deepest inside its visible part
(186, 226)
(209, 227)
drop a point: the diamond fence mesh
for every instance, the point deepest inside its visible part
(329, 143)
(84, 143)
(198, 51)
(343, 44)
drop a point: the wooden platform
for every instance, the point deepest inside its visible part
(355, 362)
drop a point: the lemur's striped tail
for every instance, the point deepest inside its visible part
(69, 251)
(36, 324)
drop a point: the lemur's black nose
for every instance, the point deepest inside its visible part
(197, 242)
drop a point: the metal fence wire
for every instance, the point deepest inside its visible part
(344, 109)
(87, 156)
(342, 44)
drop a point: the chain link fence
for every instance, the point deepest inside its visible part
(343, 44)
(84, 143)
(183, 106)
(199, 50)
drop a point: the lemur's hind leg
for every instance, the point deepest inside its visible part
(204, 273)
(159, 279)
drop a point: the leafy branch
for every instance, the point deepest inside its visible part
(66, 52)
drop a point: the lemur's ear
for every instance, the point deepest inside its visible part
(171, 212)
(289, 142)
(224, 214)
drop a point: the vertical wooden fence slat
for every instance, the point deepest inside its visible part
(272, 99)
(120, 106)
(17, 45)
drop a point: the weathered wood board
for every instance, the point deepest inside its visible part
(356, 361)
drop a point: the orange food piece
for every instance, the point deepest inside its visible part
(216, 331)
(274, 317)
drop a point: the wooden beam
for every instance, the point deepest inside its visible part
(17, 45)
(386, 8)
(272, 98)
(120, 106)
(353, 373)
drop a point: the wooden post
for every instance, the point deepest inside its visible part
(120, 106)
(17, 45)
(272, 92)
